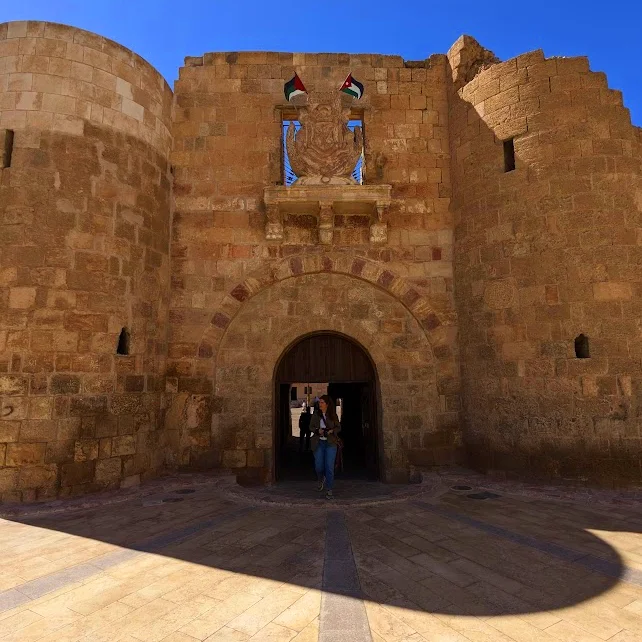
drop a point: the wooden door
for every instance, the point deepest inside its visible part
(368, 414)
(347, 369)
(325, 357)
(282, 417)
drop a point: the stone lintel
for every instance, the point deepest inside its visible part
(324, 201)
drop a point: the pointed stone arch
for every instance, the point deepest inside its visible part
(437, 330)
(226, 364)
(419, 418)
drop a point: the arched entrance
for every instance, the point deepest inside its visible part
(416, 402)
(327, 363)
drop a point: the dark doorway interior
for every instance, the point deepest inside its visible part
(350, 377)
(358, 431)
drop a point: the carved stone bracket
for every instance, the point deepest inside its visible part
(379, 228)
(326, 223)
(274, 224)
(324, 201)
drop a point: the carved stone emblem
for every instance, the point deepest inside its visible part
(324, 151)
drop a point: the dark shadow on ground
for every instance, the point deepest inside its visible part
(299, 466)
(455, 554)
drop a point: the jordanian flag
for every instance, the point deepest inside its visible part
(352, 87)
(294, 88)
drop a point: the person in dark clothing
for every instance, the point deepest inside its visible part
(304, 430)
(325, 427)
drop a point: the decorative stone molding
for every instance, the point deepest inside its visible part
(324, 201)
(379, 228)
(274, 225)
(323, 153)
(326, 223)
(439, 330)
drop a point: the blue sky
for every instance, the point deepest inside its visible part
(412, 28)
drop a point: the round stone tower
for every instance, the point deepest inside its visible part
(84, 276)
(548, 278)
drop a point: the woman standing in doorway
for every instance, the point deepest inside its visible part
(325, 427)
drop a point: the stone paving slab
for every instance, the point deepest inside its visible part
(216, 565)
(343, 615)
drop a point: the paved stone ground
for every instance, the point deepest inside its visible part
(496, 562)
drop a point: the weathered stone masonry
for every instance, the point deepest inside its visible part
(84, 252)
(128, 206)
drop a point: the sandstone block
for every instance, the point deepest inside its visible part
(88, 262)
(77, 473)
(518, 350)
(123, 445)
(234, 458)
(104, 450)
(60, 452)
(612, 291)
(9, 431)
(606, 386)
(108, 470)
(138, 464)
(106, 425)
(8, 479)
(125, 404)
(134, 383)
(65, 341)
(256, 458)
(38, 430)
(24, 454)
(64, 384)
(38, 476)
(14, 408)
(68, 428)
(86, 450)
(88, 405)
(22, 298)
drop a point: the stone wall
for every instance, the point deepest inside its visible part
(418, 425)
(84, 236)
(545, 253)
(542, 254)
(229, 112)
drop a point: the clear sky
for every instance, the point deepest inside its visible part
(164, 32)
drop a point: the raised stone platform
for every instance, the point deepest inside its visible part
(347, 493)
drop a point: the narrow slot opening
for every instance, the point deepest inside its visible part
(582, 347)
(7, 148)
(123, 342)
(509, 155)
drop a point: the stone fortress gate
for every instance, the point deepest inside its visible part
(463, 261)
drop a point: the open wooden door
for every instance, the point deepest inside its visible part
(369, 426)
(347, 369)
(282, 418)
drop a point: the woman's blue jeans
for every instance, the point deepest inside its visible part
(324, 457)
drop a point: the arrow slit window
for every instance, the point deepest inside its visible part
(7, 149)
